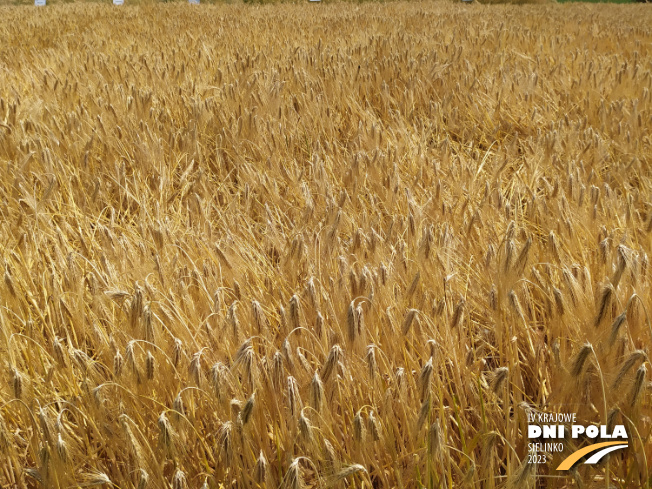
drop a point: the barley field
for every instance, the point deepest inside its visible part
(312, 246)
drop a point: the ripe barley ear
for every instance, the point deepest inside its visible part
(150, 366)
(260, 321)
(316, 392)
(351, 322)
(637, 387)
(295, 311)
(225, 442)
(458, 314)
(305, 429)
(177, 351)
(580, 359)
(425, 378)
(615, 327)
(373, 426)
(333, 358)
(632, 359)
(409, 319)
(118, 362)
(372, 365)
(319, 324)
(179, 480)
(260, 472)
(195, 369)
(498, 378)
(359, 430)
(424, 413)
(293, 396)
(604, 305)
(17, 383)
(247, 410)
(143, 479)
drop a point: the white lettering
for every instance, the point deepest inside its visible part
(592, 431)
(619, 431)
(549, 431)
(577, 430)
(533, 431)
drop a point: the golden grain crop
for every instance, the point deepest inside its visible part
(321, 246)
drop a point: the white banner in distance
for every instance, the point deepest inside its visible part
(39, 3)
(193, 2)
(118, 2)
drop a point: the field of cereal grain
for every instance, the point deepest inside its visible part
(331, 245)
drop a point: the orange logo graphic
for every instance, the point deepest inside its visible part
(598, 450)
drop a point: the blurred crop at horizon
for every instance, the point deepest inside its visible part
(321, 246)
